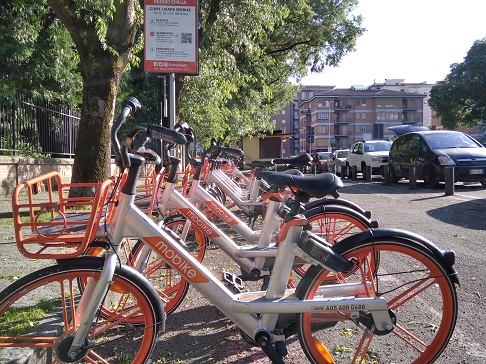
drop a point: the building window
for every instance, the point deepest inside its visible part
(363, 128)
(323, 115)
(283, 112)
(303, 95)
(274, 122)
(311, 94)
(283, 121)
(388, 103)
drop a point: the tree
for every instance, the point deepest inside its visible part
(104, 34)
(460, 98)
(37, 55)
(248, 52)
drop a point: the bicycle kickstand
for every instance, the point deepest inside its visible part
(274, 353)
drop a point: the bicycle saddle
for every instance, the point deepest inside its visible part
(299, 161)
(318, 185)
(261, 164)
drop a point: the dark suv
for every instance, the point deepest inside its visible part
(432, 151)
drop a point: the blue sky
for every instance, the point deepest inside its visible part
(415, 40)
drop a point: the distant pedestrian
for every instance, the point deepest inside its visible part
(315, 163)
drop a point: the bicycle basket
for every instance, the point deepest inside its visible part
(51, 225)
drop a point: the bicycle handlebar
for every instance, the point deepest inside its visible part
(154, 131)
(216, 150)
(129, 107)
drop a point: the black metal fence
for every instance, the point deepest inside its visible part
(37, 128)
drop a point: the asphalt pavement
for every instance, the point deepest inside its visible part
(456, 222)
(198, 333)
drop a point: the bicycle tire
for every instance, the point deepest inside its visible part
(48, 299)
(418, 287)
(333, 223)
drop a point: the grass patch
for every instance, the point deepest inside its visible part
(11, 277)
(17, 321)
(6, 220)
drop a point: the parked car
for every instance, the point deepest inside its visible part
(337, 162)
(323, 158)
(403, 129)
(372, 153)
(430, 152)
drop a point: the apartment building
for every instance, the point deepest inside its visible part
(323, 116)
(336, 118)
(430, 121)
(287, 121)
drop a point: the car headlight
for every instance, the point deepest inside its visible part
(376, 159)
(445, 160)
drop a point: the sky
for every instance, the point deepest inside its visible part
(415, 40)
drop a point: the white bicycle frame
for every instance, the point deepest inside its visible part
(252, 312)
(173, 199)
(246, 200)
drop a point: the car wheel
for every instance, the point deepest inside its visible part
(363, 170)
(431, 179)
(483, 183)
(393, 175)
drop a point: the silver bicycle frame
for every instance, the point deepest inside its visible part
(251, 312)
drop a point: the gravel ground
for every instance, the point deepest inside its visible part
(198, 333)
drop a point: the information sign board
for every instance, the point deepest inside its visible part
(171, 36)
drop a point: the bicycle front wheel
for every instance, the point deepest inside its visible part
(39, 315)
(420, 295)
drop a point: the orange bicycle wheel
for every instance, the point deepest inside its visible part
(39, 315)
(421, 298)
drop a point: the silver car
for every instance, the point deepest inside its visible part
(337, 162)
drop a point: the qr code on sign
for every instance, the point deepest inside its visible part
(186, 38)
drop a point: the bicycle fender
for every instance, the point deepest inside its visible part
(445, 256)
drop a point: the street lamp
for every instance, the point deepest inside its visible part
(328, 106)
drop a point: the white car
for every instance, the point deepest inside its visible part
(337, 162)
(372, 153)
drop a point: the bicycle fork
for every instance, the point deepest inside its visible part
(90, 301)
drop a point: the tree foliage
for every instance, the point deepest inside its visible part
(37, 55)
(460, 98)
(250, 49)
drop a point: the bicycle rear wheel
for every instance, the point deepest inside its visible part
(332, 223)
(419, 293)
(38, 316)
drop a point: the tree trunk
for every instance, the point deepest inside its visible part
(102, 63)
(93, 151)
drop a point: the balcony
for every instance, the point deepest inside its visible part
(344, 108)
(306, 111)
(343, 121)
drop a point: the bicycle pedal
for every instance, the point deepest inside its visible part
(234, 282)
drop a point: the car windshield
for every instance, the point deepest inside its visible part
(324, 155)
(342, 154)
(450, 140)
(377, 147)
